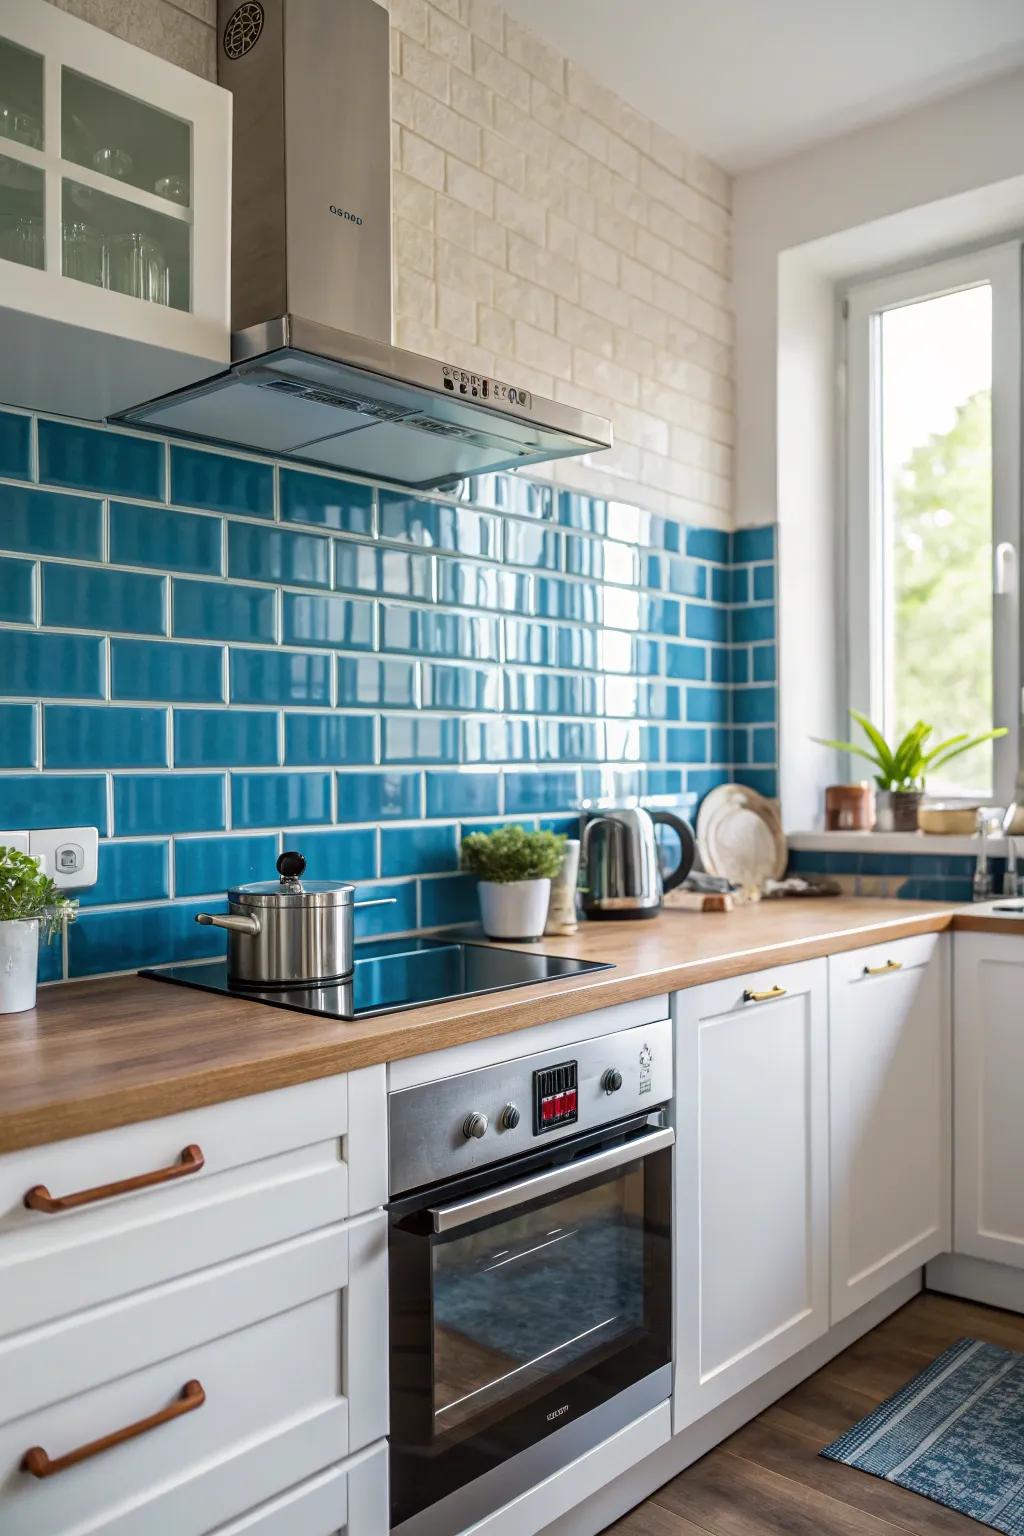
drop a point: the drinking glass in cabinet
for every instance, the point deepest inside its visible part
(84, 254)
(21, 95)
(136, 266)
(146, 252)
(22, 237)
(130, 141)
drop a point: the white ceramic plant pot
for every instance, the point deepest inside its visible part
(514, 909)
(19, 964)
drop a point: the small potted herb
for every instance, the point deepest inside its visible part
(515, 869)
(31, 907)
(901, 769)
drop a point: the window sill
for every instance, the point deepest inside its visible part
(892, 842)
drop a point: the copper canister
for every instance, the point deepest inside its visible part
(849, 807)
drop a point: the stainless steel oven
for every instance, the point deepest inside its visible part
(530, 1270)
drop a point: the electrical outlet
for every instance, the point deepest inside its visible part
(16, 840)
(68, 854)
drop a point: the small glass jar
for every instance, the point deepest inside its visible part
(84, 254)
(136, 265)
(22, 240)
(113, 162)
(20, 126)
(174, 188)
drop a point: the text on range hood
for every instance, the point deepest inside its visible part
(314, 374)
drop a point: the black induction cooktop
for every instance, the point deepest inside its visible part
(391, 974)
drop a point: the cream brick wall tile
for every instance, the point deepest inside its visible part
(395, 40)
(580, 208)
(588, 134)
(536, 56)
(421, 160)
(667, 224)
(454, 221)
(596, 257)
(668, 189)
(523, 130)
(454, 349)
(520, 214)
(447, 129)
(490, 240)
(402, 98)
(621, 459)
(469, 186)
(396, 147)
(604, 376)
(711, 217)
(545, 185)
(414, 248)
(425, 70)
(487, 19)
(561, 236)
(458, 268)
(603, 298)
(471, 98)
(548, 107)
(704, 176)
(502, 75)
(648, 321)
(570, 162)
(542, 267)
(584, 399)
(452, 8)
(623, 159)
(642, 429)
(653, 251)
(668, 152)
(539, 350)
(449, 39)
(456, 313)
(172, 34)
(415, 296)
(699, 279)
(410, 18)
(637, 279)
(524, 300)
(496, 331)
(583, 329)
(616, 231)
(412, 200)
(536, 379)
(503, 161)
(633, 351)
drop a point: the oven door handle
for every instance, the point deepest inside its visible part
(447, 1218)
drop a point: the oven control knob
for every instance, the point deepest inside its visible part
(611, 1082)
(510, 1118)
(474, 1125)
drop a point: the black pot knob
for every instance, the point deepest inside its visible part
(291, 866)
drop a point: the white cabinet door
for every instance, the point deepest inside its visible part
(751, 1234)
(988, 1123)
(889, 1047)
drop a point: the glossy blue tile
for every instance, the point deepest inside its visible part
(575, 510)
(207, 866)
(685, 578)
(764, 748)
(546, 792)
(418, 851)
(629, 742)
(472, 636)
(170, 541)
(686, 662)
(162, 671)
(539, 693)
(751, 624)
(447, 900)
(220, 482)
(764, 780)
(436, 525)
(15, 445)
(224, 738)
(336, 738)
(168, 802)
(104, 941)
(454, 687)
(51, 960)
(129, 872)
(705, 622)
(764, 583)
(753, 706)
(326, 502)
(276, 554)
(58, 666)
(380, 796)
(764, 664)
(753, 544)
(279, 677)
(344, 622)
(537, 546)
(89, 597)
(103, 736)
(398, 917)
(462, 585)
(707, 704)
(499, 741)
(534, 645)
(50, 523)
(98, 459)
(554, 598)
(398, 572)
(419, 739)
(686, 744)
(462, 794)
(579, 741)
(346, 855)
(364, 681)
(700, 781)
(722, 583)
(55, 800)
(730, 746)
(280, 799)
(708, 544)
(17, 592)
(17, 739)
(217, 610)
(509, 493)
(737, 666)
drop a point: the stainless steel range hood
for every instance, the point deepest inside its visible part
(314, 373)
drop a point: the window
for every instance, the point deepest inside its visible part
(933, 508)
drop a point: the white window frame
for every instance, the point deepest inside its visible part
(863, 533)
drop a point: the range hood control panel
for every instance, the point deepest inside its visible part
(478, 386)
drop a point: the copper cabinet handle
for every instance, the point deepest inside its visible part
(763, 997)
(40, 1199)
(883, 970)
(39, 1464)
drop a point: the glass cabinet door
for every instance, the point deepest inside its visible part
(22, 211)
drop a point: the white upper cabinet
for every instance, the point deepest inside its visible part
(988, 1124)
(889, 1049)
(115, 212)
(751, 1115)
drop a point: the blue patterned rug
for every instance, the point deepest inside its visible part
(954, 1434)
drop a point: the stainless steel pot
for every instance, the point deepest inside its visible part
(290, 932)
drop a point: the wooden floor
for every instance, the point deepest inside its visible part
(768, 1479)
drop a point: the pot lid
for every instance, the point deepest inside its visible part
(291, 890)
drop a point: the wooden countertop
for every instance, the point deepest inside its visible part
(97, 1054)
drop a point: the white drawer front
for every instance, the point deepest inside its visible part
(350, 1499)
(275, 1165)
(277, 1343)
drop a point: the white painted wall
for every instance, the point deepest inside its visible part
(931, 180)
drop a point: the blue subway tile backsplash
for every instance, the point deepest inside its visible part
(252, 656)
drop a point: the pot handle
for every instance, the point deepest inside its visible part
(233, 922)
(374, 901)
(687, 847)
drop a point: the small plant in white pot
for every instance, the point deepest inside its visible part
(31, 908)
(515, 869)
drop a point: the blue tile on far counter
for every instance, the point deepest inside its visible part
(221, 482)
(548, 792)
(280, 799)
(753, 623)
(326, 501)
(753, 706)
(101, 459)
(753, 544)
(103, 736)
(419, 850)
(129, 872)
(448, 899)
(708, 544)
(17, 737)
(56, 800)
(104, 941)
(398, 917)
(15, 445)
(706, 622)
(40, 522)
(462, 794)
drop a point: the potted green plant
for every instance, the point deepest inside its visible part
(31, 907)
(515, 869)
(901, 769)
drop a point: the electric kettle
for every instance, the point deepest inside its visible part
(620, 871)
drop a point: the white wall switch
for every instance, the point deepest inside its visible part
(68, 854)
(17, 840)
